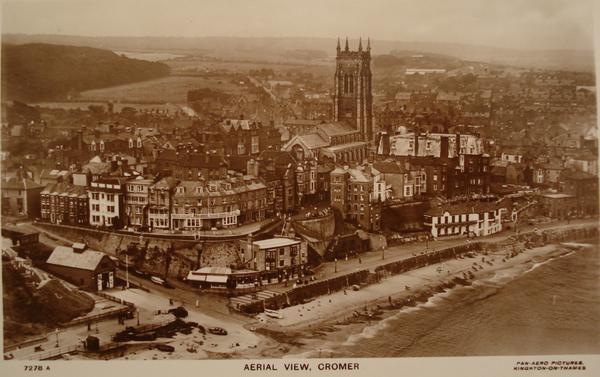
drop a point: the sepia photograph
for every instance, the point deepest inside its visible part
(301, 187)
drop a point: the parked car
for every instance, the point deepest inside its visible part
(157, 280)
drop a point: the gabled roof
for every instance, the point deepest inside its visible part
(462, 208)
(310, 141)
(387, 167)
(67, 257)
(336, 129)
(280, 157)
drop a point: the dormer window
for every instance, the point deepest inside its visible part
(139, 142)
(101, 145)
(130, 143)
(93, 146)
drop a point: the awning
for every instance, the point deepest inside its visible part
(216, 279)
(196, 277)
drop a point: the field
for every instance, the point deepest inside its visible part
(172, 89)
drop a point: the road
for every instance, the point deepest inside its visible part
(373, 259)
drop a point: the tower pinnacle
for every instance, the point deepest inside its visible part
(360, 44)
(347, 48)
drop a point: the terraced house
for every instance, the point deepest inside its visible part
(106, 199)
(63, 203)
(217, 204)
(137, 200)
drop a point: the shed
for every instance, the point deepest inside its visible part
(86, 268)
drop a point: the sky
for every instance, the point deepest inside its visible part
(523, 24)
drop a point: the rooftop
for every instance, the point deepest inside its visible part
(67, 257)
(275, 242)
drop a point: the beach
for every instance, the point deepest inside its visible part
(316, 328)
(319, 327)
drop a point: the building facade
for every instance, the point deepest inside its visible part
(63, 203)
(106, 199)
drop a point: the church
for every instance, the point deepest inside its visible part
(347, 138)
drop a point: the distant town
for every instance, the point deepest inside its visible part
(254, 189)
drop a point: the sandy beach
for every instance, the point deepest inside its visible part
(320, 322)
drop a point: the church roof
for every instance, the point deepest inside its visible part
(336, 129)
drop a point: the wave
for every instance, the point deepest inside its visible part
(485, 289)
(371, 331)
(538, 264)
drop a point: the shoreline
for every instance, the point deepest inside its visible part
(300, 336)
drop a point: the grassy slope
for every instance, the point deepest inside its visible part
(29, 312)
(34, 72)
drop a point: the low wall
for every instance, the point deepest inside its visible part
(301, 294)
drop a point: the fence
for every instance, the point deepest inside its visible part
(50, 354)
(117, 300)
(26, 343)
(299, 295)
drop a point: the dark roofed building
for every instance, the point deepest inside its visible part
(88, 269)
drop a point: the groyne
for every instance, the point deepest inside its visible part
(302, 294)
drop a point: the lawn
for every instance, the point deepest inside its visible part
(167, 89)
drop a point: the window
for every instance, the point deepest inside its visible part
(96, 207)
(110, 197)
(95, 196)
(254, 144)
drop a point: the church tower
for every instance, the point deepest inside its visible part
(352, 98)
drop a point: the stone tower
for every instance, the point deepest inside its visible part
(352, 98)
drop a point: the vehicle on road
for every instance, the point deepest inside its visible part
(157, 280)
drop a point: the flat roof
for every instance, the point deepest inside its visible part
(558, 196)
(275, 242)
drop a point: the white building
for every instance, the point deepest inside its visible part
(106, 201)
(472, 219)
(435, 144)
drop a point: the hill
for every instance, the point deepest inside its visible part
(36, 72)
(277, 49)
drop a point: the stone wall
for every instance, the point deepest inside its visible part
(301, 294)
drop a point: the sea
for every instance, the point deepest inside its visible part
(545, 307)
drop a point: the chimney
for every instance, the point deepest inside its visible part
(444, 147)
(416, 143)
(79, 140)
(252, 168)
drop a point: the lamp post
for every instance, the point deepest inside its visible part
(335, 265)
(56, 332)
(126, 271)
(137, 311)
